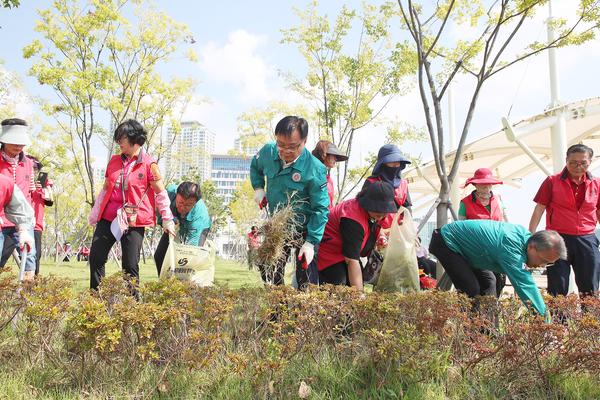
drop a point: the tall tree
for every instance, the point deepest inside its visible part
(498, 24)
(102, 68)
(348, 85)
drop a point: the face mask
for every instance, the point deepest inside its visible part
(390, 174)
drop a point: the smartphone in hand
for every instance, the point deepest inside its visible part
(43, 178)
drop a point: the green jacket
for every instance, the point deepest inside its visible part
(498, 247)
(304, 182)
(193, 223)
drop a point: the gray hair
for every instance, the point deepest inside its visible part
(549, 240)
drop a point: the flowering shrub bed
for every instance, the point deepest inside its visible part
(271, 342)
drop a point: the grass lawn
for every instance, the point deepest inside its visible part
(233, 274)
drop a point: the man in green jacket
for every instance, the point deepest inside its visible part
(289, 172)
(190, 215)
(467, 247)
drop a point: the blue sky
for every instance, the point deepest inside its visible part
(240, 56)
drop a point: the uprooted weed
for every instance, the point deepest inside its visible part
(259, 338)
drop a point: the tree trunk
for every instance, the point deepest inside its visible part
(442, 208)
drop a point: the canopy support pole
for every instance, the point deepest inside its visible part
(511, 136)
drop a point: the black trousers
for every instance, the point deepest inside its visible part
(37, 237)
(303, 277)
(336, 274)
(427, 265)
(583, 255)
(102, 242)
(161, 251)
(471, 281)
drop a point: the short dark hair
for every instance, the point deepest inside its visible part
(132, 130)
(580, 148)
(253, 227)
(548, 240)
(320, 150)
(14, 121)
(291, 123)
(187, 190)
(37, 164)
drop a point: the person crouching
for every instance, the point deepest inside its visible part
(351, 232)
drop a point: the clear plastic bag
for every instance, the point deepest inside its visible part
(399, 272)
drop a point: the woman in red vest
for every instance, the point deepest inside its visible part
(390, 163)
(351, 232)
(125, 207)
(482, 203)
(329, 154)
(41, 198)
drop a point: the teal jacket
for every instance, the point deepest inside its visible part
(304, 182)
(193, 223)
(498, 247)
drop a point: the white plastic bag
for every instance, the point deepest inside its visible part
(190, 263)
(399, 272)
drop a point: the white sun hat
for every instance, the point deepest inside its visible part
(15, 134)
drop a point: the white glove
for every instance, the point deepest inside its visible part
(169, 227)
(308, 251)
(259, 196)
(25, 238)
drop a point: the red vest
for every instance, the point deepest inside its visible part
(475, 210)
(400, 194)
(39, 209)
(330, 249)
(330, 191)
(137, 183)
(562, 214)
(21, 177)
(6, 191)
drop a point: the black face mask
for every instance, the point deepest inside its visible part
(391, 175)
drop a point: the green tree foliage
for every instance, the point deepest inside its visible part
(66, 220)
(496, 25)
(217, 209)
(244, 211)
(103, 67)
(11, 3)
(349, 87)
(11, 93)
(256, 126)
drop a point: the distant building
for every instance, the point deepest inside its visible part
(250, 151)
(190, 152)
(227, 172)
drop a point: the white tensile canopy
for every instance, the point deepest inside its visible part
(506, 151)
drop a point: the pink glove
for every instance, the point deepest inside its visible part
(94, 214)
(163, 203)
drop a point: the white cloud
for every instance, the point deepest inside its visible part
(237, 62)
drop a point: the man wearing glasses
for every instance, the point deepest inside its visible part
(291, 173)
(465, 247)
(571, 201)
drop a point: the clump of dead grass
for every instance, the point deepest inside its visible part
(278, 232)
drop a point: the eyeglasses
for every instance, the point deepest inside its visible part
(292, 147)
(576, 164)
